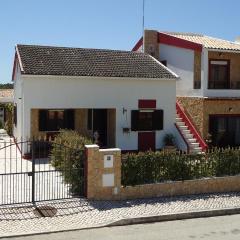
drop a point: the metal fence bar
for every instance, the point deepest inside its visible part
(37, 178)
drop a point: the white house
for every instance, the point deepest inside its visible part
(6, 98)
(127, 97)
(208, 90)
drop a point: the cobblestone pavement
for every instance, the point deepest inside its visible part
(80, 213)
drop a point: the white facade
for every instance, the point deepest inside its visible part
(61, 92)
(181, 61)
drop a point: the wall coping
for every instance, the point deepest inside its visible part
(110, 150)
(91, 146)
(184, 181)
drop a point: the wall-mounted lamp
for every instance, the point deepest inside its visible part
(126, 130)
(124, 110)
(220, 54)
(230, 109)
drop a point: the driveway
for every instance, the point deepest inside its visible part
(16, 177)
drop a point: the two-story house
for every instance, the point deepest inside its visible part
(209, 87)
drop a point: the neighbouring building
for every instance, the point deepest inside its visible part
(6, 110)
(127, 97)
(209, 87)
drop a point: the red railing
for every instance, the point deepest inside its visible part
(190, 126)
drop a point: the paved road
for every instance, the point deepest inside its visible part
(226, 227)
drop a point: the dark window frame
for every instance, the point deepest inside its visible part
(212, 125)
(164, 62)
(210, 72)
(47, 124)
(156, 124)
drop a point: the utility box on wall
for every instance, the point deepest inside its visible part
(108, 161)
(108, 179)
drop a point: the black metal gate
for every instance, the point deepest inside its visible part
(34, 171)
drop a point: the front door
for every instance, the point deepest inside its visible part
(100, 125)
(146, 141)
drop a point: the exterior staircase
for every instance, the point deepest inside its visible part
(192, 138)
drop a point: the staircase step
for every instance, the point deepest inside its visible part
(188, 135)
(186, 131)
(192, 140)
(194, 144)
(181, 124)
(179, 119)
(196, 149)
(183, 127)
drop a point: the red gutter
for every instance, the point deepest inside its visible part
(138, 45)
(188, 148)
(178, 42)
(190, 126)
(173, 41)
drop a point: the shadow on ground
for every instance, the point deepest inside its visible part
(77, 206)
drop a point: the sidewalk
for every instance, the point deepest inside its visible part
(80, 213)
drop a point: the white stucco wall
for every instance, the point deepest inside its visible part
(181, 61)
(18, 101)
(78, 92)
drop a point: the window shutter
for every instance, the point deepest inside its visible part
(42, 120)
(158, 120)
(134, 120)
(69, 119)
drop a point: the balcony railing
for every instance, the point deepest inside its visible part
(223, 85)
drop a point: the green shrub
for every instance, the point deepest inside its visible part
(67, 155)
(153, 167)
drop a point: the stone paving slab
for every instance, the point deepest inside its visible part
(81, 213)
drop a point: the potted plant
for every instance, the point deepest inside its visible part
(169, 142)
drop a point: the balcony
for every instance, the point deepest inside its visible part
(223, 85)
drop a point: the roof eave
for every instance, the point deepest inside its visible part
(222, 50)
(166, 68)
(17, 59)
(179, 42)
(97, 77)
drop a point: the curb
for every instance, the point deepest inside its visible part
(176, 216)
(147, 219)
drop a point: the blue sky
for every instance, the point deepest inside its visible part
(113, 24)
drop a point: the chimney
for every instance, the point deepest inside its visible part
(237, 40)
(150, 43)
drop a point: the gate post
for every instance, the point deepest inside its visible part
(33, 171)
(103, 173)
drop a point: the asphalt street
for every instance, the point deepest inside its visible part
(224, 227)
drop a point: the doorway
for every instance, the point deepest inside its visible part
(98, 123)
(225, 130)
